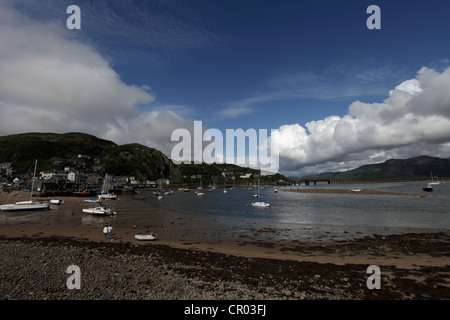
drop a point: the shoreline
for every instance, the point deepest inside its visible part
(205, 233)
(352, 191)
(411, 254)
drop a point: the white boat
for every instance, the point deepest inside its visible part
(102, 211)
(108, 196)
(432, 181)
(26, 205)
(260, 203)
(199, 191)
(92, 200)
(56, 202)
(146, 237)
(355, 190)
(105, 193)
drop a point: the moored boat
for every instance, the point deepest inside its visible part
(146, 237)
(101, 211)
(26, 205)
(261, 203)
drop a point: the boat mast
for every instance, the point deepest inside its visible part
(258, 189)
(32, 184)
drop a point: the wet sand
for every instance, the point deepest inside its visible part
(416, 262)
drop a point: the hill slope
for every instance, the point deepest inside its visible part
(417, 167)
(57, 151)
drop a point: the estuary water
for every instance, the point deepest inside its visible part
(430, 211)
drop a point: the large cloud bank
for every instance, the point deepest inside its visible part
(413, 120)
(50, 82)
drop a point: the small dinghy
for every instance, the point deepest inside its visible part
(100, 211)
(56, 202)
(146, 237)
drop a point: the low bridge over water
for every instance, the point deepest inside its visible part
(309, 182)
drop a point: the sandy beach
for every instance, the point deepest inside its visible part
(212, 258)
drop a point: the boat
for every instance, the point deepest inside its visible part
(256, 195)
(146, 237)
(105, 193)
(56, 202)
(108, 196)
(432, 181)
(428, 188)
(26, 205)
(199, 191)
(100, 211)
(260, 203)
(93, 200)
(355, 190)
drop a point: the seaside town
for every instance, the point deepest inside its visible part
(224, 159)
(78, 180)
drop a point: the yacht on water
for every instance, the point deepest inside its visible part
(26, 205)
(105, 194)
(260, 202)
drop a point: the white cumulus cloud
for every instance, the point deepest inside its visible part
(51, 82)
(413, 120)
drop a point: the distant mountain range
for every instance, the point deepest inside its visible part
(88, 154)
(417, 167)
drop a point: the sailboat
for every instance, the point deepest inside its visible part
(26, 205)
(429, 187)
(199, 192)
(105, 190)
(432, 181)
(260, 202)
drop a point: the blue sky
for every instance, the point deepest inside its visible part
(249, 64)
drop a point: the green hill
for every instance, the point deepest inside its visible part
(88, 154)
(57, 151)
(417, 167)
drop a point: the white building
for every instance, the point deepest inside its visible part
(71, 176)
